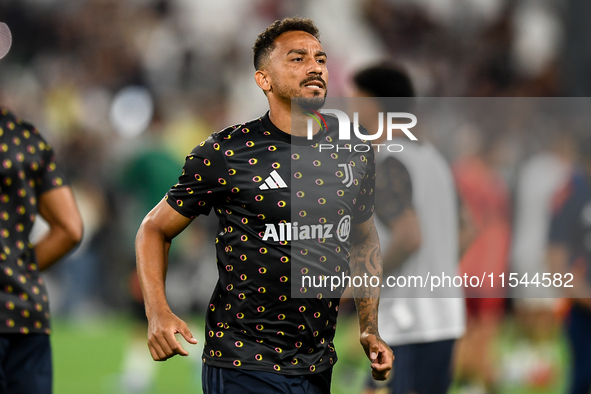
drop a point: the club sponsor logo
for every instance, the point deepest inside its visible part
(293, 231)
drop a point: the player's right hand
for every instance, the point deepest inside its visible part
(162, 343)
(380, 355)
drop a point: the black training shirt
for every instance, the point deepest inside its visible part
(27, 170)
(285, 209)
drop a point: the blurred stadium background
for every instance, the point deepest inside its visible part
(125, 89)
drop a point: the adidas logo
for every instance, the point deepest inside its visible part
(274, 181)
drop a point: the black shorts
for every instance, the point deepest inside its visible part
(25, 364)
(422, 368)
(230, 381)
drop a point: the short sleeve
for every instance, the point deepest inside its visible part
(393, 189)
(49, 174)
(363, 206)
(203, 183)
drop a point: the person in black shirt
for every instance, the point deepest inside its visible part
(282, 210)
(31, 183)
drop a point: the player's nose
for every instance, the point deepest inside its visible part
(315, 67)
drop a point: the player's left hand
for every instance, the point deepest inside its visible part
(379, 354)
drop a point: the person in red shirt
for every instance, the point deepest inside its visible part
(486, 207)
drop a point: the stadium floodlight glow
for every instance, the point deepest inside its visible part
(5, 39)
(131, 111)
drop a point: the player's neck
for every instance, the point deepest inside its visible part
(288, 121)
(280, 116)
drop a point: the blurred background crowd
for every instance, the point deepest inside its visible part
(125, 89)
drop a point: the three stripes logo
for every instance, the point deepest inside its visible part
(273, 181)
(348, 171)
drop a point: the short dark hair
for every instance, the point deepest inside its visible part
(384, 80)
(264, 44)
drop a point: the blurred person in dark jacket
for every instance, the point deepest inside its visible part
(569, 255)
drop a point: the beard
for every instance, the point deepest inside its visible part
(314, 103)
(290, 94)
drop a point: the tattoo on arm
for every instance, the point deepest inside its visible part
(366, 261)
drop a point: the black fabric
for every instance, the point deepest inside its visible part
(578, 326)
(229, 381)
(253, 322)
(393, 189)
(420, 368)
(25, 364)
(571, 220)
(27, 170)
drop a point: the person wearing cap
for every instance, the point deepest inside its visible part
(31, 184)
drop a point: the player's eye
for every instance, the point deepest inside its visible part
(321, 61)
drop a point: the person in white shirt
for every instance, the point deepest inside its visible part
(417, 222)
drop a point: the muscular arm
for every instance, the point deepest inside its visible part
(366, 260)
(58, 208)
(153, 242)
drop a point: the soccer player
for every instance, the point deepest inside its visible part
(31, 183)
(260, 339)
(417, 223)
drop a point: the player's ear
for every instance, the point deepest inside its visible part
(263, 80)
